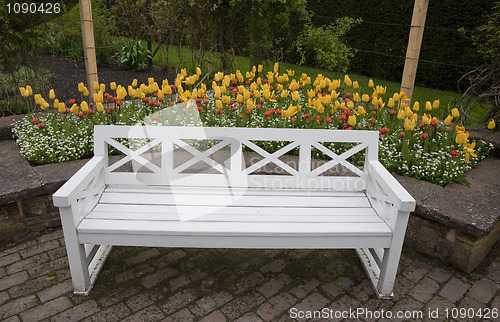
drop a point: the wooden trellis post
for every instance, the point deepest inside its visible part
(413, 50)
(88, 44)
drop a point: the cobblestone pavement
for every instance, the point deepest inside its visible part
(162, 284)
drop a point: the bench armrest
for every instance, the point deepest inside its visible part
(379, 174)
(72, 189)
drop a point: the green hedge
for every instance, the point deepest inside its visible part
(382, 38)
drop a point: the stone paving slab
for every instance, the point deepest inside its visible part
(232, 285)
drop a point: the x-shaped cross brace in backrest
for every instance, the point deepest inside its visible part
(268, 157)
(134, 155)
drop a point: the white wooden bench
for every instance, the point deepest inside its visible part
(161, 203)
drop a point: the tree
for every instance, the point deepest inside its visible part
(483, 83)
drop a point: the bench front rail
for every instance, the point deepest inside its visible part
(158, 195)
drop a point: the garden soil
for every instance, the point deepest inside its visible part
(66, 74)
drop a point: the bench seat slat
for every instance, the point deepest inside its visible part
(195, 228)
(241, 217)
(140, 198)
(235, 190)
(140, 210)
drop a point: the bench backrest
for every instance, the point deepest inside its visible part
(152, 154)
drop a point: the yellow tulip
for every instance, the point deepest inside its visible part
(350, 105)
(426, 119)
(239, 98)
(290, 72)
(167, 90)
(96, 86)
(284, 94)
(416, 106)
(74, 109)
(355, 85)
(390, 103)
(38, 99)
(198, 71)
(151, 80)
(24, 92)
(270, 78)
(469, 151)
(409, 125)
(99, 107)
(85, 91)
(292, 110)
(160, 94)
(102, 87)
(121, 93)
(84, 106)
(81, 87)
(52, 94)
(408, 112)
(365, 98)
(351, 120)
(361, 110)
(401, 114)
(56, 103)
(491, 124)
(447, 120)
(311, 93)
(381, 90)
(355, 97)
(62, 107)
(44, 105)
(395, 97)
(370, 83)
(29, 90)
(347, 81)
(276, 67)
(260, 68)
(250, 104)
(435, 104)
(327, 99)
(455, 113)
(218, 104)
(428, 106)
(295, 96)
(462, 137)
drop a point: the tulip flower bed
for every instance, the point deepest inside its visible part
(412, 142)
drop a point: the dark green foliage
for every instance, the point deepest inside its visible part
(63, 36)
(487, 39)
(382, 37)
(323, 47)
(135, 56)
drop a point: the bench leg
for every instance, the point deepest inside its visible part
(382, 265)
(84, 264)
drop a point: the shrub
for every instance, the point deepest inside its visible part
(323, 47)
(134, 56)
